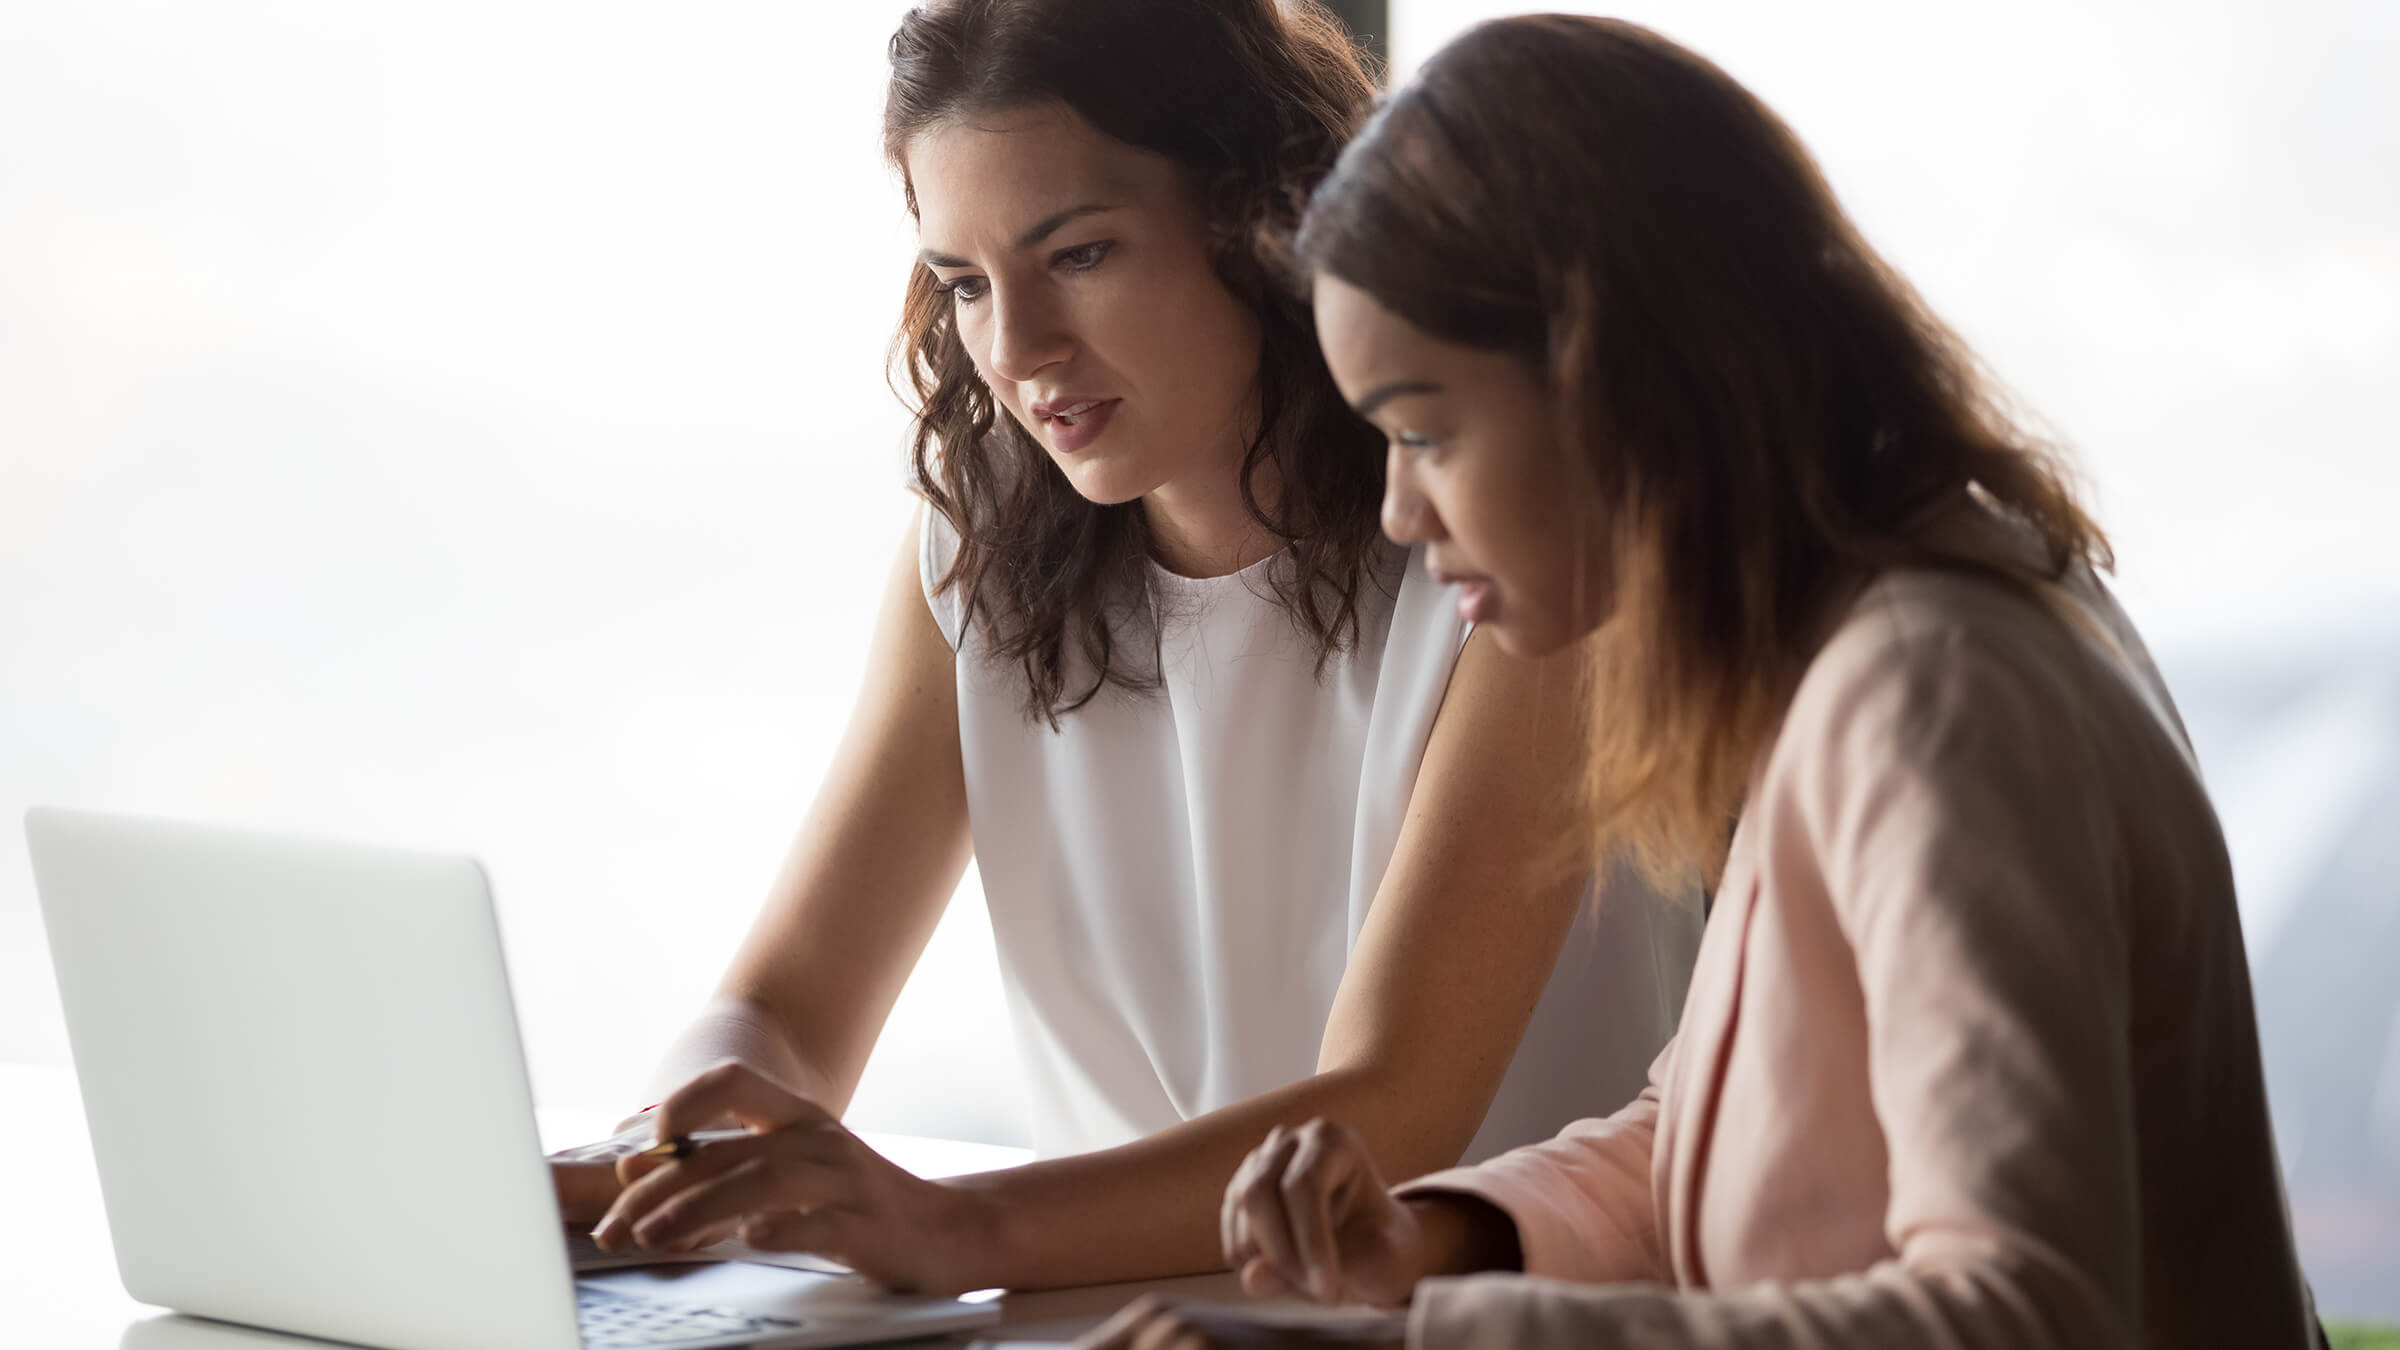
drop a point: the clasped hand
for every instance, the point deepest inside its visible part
(1307, 1215)
(793, 1180)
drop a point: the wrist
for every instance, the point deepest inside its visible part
(977, 1241)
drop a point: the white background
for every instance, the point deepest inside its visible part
(465, 426)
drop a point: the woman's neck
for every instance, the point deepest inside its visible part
(1206, 529)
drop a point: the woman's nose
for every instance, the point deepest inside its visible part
(1028, 334)
(1408, 518)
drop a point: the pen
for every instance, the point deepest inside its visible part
(681, 1146)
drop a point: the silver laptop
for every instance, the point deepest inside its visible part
(300, 1068)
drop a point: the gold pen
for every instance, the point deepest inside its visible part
(681, 1146)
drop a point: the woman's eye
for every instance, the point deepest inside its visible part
(1082, 257)
(962, 290)
(1414, 440)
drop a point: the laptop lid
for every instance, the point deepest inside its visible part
(300, 1068)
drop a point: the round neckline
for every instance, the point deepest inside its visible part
(1176, 583)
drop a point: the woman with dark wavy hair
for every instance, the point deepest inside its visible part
(1264, 831)
(1968, 1059)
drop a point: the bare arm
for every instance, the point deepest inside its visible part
(864, 883)
(876, 860)
(1439, 989)
(1437, 994)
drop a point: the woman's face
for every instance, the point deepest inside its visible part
(1477, 473)
(1079, 271)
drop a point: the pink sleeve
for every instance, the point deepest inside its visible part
(1582, 1202)
(1957, 820)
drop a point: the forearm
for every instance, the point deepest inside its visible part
(864, 882)
(1150, 1208)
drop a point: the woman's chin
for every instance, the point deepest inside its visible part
(1101, 483)
(1530, 635)
(1517, 642)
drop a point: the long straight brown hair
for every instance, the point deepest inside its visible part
(1253, 99)
(1764, 402)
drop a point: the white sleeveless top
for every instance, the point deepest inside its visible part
(1176, 876)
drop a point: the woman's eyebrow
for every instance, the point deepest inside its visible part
(1383, 394)
(1032, 235)
(1049, 224)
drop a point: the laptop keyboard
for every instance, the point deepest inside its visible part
(585, 1255)
(612, 1321)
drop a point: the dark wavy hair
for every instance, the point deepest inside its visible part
(1254, 99)
(1766, 405)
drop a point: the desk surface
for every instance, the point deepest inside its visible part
(61, 1276)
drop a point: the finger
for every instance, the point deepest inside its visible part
(713, 1234)
(1260, 1280)
(633, 1165)
(676, 1222)
(655, 1179)
(1230, 1237)
(1265, 1231)
(697, 1240)
(732, 1089)
(1260, 1167)
(763, 1185)
(647, 1182)
(1321, 1164)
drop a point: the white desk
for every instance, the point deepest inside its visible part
(59, 1276)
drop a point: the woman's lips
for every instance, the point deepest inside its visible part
(1075, 425)
(1478, 601)
(1478, 598)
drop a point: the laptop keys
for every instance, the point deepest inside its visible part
(611, 1321)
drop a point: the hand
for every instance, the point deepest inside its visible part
(796, 1181)
(1307, 1215)
(585, 1176)
(1155, 1323)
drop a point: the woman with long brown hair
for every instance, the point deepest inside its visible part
(1968, 1058)
(1261, 826)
